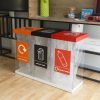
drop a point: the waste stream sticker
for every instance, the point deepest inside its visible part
(40, 56)
(62, 61)
(22, 51)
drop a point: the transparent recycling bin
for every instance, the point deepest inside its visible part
(23, 50)
(41, 48)
(65, 59)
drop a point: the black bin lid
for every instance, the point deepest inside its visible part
(45, 32)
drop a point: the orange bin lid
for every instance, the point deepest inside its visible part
(26, 30)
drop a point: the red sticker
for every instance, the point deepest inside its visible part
(22, 51)
(62, 61)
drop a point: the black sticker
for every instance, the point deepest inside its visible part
(40, 56)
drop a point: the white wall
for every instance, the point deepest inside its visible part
(93, 31)
(92, 61)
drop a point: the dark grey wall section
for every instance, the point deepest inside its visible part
(56, 25)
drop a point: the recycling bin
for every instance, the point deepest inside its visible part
(65, 59)
(23, 50)
(41, 48)
(50, 56)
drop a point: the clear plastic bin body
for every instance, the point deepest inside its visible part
(24, 67)
(67, 81)
(66, 57)
(24, 37)
(41, 50)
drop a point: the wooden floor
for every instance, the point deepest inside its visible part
(15, 87)
(89, 74)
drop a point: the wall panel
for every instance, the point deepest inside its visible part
(59, 7)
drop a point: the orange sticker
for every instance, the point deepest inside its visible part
(22, 51)
(62, 61)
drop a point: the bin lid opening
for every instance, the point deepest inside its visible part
(45, 32)
(72, 33)
(48, 31)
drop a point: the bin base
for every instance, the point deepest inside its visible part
(77, 83)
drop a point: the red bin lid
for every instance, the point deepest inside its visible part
(69, 36)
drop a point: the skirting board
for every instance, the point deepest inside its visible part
(49, 83)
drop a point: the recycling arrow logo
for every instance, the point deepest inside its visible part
(22, 49)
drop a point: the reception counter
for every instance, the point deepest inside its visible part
(50, 56)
